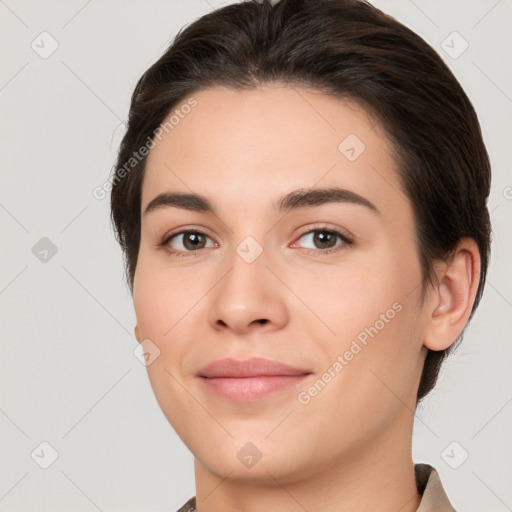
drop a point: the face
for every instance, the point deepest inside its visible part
(268, 265)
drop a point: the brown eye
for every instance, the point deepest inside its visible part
(188, 241)
(323, 239)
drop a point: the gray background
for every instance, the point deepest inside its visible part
(68, 374)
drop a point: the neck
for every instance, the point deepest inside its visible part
(379, 476)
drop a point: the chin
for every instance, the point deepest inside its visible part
(261, 460)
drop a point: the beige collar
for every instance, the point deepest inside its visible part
(434, 497)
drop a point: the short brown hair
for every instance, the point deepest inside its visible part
(345, 49)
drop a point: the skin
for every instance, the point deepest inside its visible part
(349, 447)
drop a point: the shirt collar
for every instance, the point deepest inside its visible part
(434, 498)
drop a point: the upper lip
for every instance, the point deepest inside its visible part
(253, 367)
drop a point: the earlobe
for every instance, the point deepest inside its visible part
(136, 330)
(450, 302)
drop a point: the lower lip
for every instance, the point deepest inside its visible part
(249, 389)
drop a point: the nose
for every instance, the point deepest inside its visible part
(249, 297)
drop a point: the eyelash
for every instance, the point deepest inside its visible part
(344, 238)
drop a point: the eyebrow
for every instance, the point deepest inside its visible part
(295, 200)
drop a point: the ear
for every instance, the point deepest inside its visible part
(450, 301)
(136, 330)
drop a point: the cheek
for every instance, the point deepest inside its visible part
(367, 377)
(161, 306)
(161, 299)
(163, 311)
(352, 297)
(373, 314)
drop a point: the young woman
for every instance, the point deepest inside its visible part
(301, 200)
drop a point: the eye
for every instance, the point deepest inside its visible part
(179, 244)
(324, 240)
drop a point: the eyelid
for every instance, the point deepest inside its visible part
(345, 234)
(346, 242)
(185, 229)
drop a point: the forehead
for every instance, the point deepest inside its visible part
(252, 145)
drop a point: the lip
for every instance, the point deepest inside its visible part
(250, 380)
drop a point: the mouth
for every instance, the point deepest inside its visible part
(250, 380)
